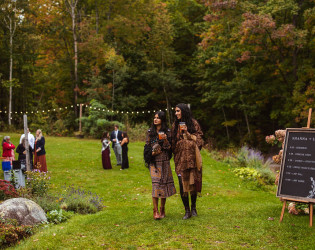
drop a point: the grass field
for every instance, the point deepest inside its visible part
(230, 214)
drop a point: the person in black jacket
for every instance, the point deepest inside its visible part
(39, 151)
(116, 138)
(22, 153)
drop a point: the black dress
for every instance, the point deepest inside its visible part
(125, 162)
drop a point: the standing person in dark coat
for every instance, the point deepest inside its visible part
(187, 142)
(106, 151)
(40, 153)
(22, 153)
(124, 143)
(116, 138)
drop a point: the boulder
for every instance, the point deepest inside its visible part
(25, 211)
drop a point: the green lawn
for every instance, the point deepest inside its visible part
(230, 214)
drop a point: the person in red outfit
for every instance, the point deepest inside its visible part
(8, 149)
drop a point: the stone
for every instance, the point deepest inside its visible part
(25, 211)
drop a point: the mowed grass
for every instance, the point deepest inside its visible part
(230, 215)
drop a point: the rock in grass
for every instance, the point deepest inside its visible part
(25, 211)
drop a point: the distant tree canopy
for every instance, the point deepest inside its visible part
(246, 67)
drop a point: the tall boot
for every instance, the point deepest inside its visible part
(193, 197)
(185, 199)
(162, 208)
(156, 215)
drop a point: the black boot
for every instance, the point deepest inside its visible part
(193, 197)
(187, 213)
(185, 199)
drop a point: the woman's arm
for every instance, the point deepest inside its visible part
(125, 140)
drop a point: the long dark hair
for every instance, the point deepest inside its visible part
(125, 135)
(104, 136)
(163, 128)
(186, 117)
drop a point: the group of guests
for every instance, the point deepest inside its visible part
(119, 141)
(184, 141)
(36, 148)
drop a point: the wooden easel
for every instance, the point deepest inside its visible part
(286, 199)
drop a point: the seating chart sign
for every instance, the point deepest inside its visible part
(297, 172)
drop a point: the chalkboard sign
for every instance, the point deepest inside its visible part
(297, 173)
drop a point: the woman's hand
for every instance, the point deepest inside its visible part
(184, 128)
(24, 152)
(38, 149)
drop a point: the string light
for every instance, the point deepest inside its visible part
(87, 106)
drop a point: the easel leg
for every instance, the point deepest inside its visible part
(283, 208)
(311, 214)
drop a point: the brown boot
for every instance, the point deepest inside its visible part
(156, 215)
(162, 212)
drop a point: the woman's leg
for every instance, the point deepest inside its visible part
(162, 208)
(185, 199)
(155, 201)
(193, 197)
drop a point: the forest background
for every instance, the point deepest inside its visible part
(245, 67)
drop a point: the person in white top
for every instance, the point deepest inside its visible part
(116, 138)
(31, 138)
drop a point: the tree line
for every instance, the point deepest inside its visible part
(245, 67)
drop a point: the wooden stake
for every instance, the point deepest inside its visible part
(311, 214)
(283, 208)
(80, 126)
(309, 118)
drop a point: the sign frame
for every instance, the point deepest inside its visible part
(286, 196)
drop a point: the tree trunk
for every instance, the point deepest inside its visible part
(96, 17)
(72, 7)
(11, 31)
(226, 127)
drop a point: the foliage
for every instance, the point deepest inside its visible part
(80, 201)
(11, 233)
(47, 203)
(95, 124)
(138, 132)
(56, 217)
(38, 182)
(249, 165)
(7, 190)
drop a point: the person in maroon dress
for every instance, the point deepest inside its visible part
(106, 151)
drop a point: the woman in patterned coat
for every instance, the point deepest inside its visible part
(186, 144)
(160, 170)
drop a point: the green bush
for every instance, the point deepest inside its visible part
(96, 123)
(37, 182)
(248, 174)
(250, 165)
(47, 203)
(81, 201)
(57, 217)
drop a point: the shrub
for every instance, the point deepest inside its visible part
(249, 174)
(10, 232)
(80, 201)
(47, 203)
(250, 165)
(37, 182)
(7, 190)
(138, 132)
(57, 217)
